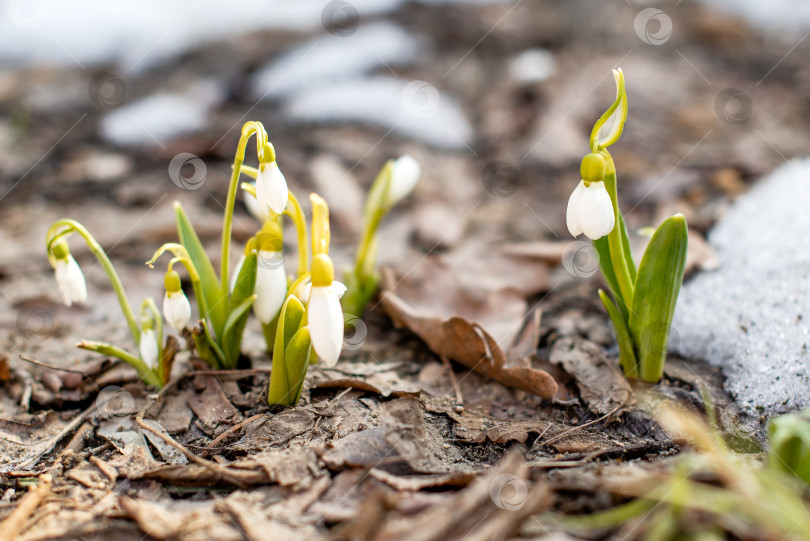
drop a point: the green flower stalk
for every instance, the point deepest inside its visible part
(642, 300)
(394, 182)
(151, 363)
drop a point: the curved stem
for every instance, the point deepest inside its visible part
(248, 130)
(300, 222)
(181, 256)
(71, 226)
(615, 237)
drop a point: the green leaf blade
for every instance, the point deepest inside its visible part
(627, 355)
(217, 309)
(657, 285)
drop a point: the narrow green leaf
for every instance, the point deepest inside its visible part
(207, 347)
(233, 331)
(217, 308)
(291, 314)
(657, 285)
(627, 356)
(296, 357)
(235, 326)
(149, 376)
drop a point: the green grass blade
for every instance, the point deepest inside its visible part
(217, 307)
(627, 355)
(296, 357)
(657, 285)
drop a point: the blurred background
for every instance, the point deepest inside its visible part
(111, 111)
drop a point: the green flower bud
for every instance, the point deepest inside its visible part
(172, 281)
(60, 249)
(323, 271)
(593, 168)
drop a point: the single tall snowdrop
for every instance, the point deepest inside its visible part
(324, 313)
(176, 308)
(590, 209)
(69, 277)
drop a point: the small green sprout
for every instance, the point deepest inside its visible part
(643, 299)
(789, 443)
(394, 182)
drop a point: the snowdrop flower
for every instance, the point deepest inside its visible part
(305, 289)
(271, 189)
(176, 308)
(252, 204)
(590, 209)
(324, 314)
(405, 173)
(271, 278)
(148, 347)
(69, 277)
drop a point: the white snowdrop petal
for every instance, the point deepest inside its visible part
(70, 281)
(595, 211)
(271, 287)
(176, 310)
(148, 348)
(404, 176)
(325, 318)
(339, 289)
(572, 212)
(273, 194)
(303, 292)
(252, 204)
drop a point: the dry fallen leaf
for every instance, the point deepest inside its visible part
(478, 333)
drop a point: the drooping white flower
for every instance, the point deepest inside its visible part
(590, 211)
(252, 204)
(325, 319)
(271, 189)
(405, 173)
(271, 285)
(148, 347)
(176, 309)
(70, 280)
